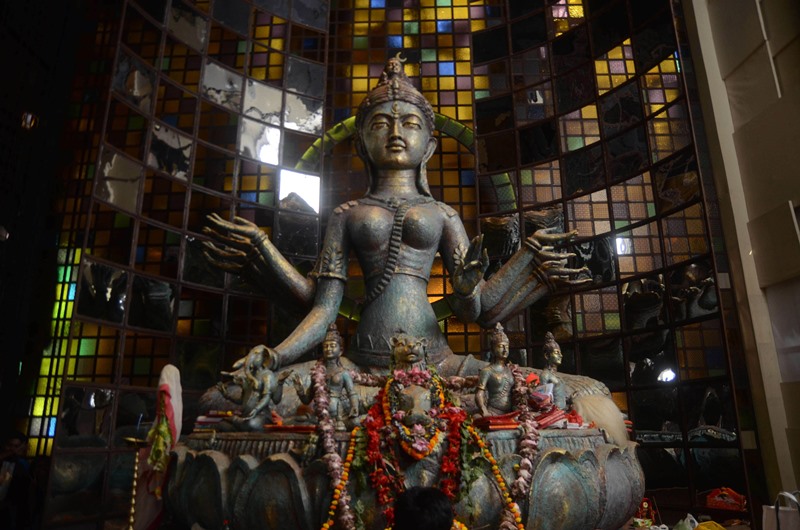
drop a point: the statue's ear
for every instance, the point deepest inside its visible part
(394, 341)
(432, 143)
(424, 342)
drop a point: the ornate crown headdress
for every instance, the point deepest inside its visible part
(333, 334)
(550, 344)
(498, 334)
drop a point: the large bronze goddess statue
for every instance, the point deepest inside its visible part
(395, 231)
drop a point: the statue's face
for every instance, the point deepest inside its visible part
(409, 351)
(555, 356)
(396, 136)
(331, 349)
(500, 349)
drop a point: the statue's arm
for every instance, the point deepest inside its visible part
(532, 272)
(331, 275)
(466, 262)
(351, 393)
(240, 246)
(480, 394)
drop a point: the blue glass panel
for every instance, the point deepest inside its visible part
(447, 68)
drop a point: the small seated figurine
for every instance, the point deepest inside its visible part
(552, 359)
(330, 372)
(496, 381)
(260, 387)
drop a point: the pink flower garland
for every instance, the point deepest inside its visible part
(326, 428)
(529, 441)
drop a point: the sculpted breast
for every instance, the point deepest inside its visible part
(422, 228)
(370, 227)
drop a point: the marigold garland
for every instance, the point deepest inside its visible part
(379, 426)
(529, 440)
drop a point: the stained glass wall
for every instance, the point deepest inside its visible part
(565, 114)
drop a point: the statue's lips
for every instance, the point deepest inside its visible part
(395, 146)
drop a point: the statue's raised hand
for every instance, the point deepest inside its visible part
(234, 242)
(551, 265)
(470, 265)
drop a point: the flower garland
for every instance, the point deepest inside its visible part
(326, 428)
(375, 435)
(529, 440)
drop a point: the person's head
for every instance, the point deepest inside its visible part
(394, 126)
(421, 508)
(16, 443)
(332, 344)
(551, 351)
(499, 343)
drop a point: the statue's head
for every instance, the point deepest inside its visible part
(395, 106)
(551, 351)
(332, 343)
(499, 343)
(408, 350)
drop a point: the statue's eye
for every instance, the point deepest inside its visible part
(412, 123)
(380, 124)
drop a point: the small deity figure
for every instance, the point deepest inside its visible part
(552, 359)
(496, 381)
(260, 387)
(337, 380)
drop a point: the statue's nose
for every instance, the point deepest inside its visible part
(417, 416)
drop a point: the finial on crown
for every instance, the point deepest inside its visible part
(498, 334)
(333, 333)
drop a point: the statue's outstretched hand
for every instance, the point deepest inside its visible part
(550, 266)
(470, 265)
(233, 242)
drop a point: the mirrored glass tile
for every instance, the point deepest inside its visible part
(517, 8)
(610, 29)
(575, 89)
(296, 234)
(564, 15)
(693, 291)
(187, 25)
(136, 413)
(276, 7)
(312, 13)
(496, 152)
(619, 109)
(490, 45)
(495, 114)
(533, 104)
(263, 102)
(248, 318)
(655, 42)
(303, 114)
(222, 86)
(151, 304)
(299, 191)
(199, 362)
(196, 267)
(528, 32)
(538, 142)
(233, 13)
(307, 43)
(305, 77)
(677, 181)
(598, 313)
(119, 181)
(596, 254)
(102, 292)
(213, 169)
(86, 420)
(202, 204)
(710, 414)
(570, 50)
(627, 153)
(530, 67)
(603, 360)
(684, 234)
(645, 306)
(74, 495)
(260, 141)
(134, 81)
(170, 151)
(584, 170)
(656, 415)
(501, 238)
(700, 350)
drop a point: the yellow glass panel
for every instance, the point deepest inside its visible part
(38, 406)
(427, 14)
(464, 97)
(362, 15)
(360, 70)
(447, 83)
(477, 25)
(575, 11)
(411, 42)
(460, 13)
(427, 27)
(451, 195)
(481, 82)
(463, 54)
(429, 83)
(450, 112)
(468, 194)
(589, 112)
(276, 44)
(360, 85)
(601, 67)
(445, 40)
(465, 113)
(463, 68)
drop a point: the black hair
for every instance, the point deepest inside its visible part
(421, 508)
